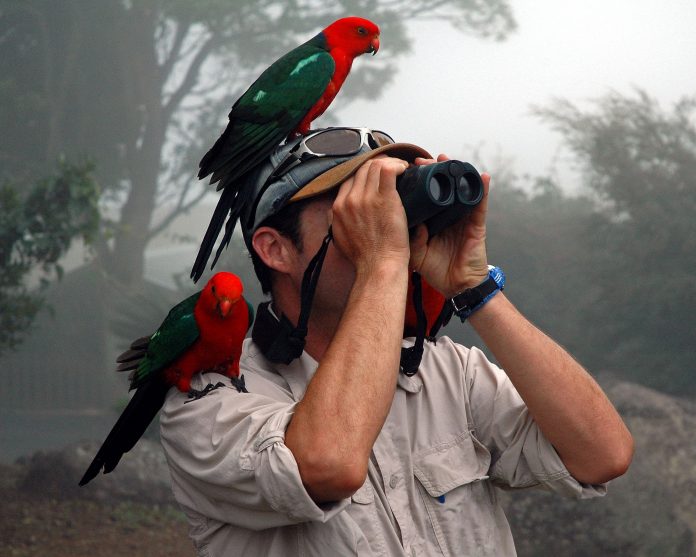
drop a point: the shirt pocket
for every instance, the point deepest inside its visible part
(455, 462)
(459, 506)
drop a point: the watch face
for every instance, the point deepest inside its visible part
(496, 273)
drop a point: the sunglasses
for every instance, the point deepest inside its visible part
(332, 142)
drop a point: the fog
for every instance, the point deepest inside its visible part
(576, 109)
(461, 95)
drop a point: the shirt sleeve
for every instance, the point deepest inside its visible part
(520, 454)
(228, 460)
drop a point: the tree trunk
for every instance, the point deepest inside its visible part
(143, 151)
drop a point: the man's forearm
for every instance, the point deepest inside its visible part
(567, 404)
(348, 399)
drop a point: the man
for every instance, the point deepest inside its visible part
(333, 451)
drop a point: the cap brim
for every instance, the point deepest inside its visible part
(338, 174)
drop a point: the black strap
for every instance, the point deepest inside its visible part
(278, 339)
(309, 286)
(442, 320)
(272, 335)
(411, 357)
(280, 342)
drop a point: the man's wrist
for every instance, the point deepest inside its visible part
(385, 269)
(471, 299)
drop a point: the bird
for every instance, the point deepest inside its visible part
(204, 332)
(282, 103)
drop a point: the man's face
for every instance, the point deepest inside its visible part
(337, 274)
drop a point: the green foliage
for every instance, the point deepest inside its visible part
(36, 228)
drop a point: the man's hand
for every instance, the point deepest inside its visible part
(368, 218)
(455, 259)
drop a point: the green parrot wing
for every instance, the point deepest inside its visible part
(287, 88)
(268, 111)
(261, 119)
(174, 336)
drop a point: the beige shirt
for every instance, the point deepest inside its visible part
(456, 430)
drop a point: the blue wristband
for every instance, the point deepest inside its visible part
(467, 302)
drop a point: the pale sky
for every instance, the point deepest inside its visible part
(455, 93)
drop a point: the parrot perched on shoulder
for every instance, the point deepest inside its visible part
(283, 101)
(202, 333)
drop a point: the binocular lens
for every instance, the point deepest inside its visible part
(439, 194)
(465, 192)
(439, 189)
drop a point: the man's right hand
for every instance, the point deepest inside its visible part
(368, 219)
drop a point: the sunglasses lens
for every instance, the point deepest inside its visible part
(382, 138)
(335, 142)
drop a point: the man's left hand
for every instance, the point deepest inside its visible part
(455, 259)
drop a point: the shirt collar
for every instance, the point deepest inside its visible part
(298, 373)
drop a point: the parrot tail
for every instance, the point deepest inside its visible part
(130, 427)
(226, 205)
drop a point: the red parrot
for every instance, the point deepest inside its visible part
(346, 39)
(202, 333)
(283, 101)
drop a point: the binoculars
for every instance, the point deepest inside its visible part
(439, 194)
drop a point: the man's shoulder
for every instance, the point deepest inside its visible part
(258, 379)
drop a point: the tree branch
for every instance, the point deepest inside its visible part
(182, 30)
(180, 208)
(191, 77)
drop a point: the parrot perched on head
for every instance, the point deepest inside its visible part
(202, 333)
(283, 101)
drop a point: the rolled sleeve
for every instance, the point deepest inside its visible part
(531, 460)
(278, 477)
(228, 460)
(521, 455)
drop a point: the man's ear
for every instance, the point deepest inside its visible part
(274, 249)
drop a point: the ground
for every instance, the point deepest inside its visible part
(31, 525)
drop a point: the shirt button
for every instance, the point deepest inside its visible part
(394, 481)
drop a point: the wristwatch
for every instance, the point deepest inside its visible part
(467, 302)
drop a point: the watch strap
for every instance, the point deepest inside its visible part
(467, 302)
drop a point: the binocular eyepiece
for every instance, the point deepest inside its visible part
(439, 194)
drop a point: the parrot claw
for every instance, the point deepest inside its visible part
(195, 394)
(239, 384)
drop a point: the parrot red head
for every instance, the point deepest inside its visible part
(354, 35)
(221, 293)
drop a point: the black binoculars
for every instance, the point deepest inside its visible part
(439, 194)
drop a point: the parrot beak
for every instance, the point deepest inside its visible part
(374, 46)
(224, 306)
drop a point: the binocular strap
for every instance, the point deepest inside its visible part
(411, 357)
(280, 342)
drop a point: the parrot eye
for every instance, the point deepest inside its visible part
(362, 31)
(213, 290)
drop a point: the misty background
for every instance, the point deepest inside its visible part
(584, 114)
